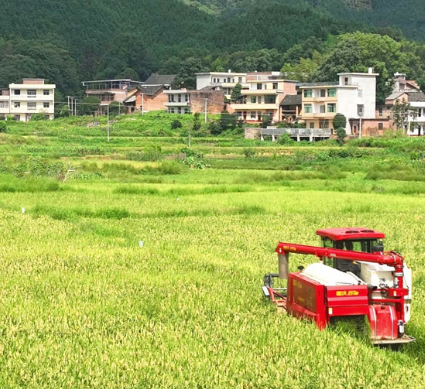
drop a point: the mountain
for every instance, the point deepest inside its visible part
(75, 40)
(406, 15)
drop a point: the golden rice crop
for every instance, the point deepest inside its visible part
(84, 306)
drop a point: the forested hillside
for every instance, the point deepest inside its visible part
(71, 41)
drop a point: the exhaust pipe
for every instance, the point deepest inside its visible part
(283, 266)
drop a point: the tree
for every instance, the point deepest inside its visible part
(115, 108)
(266, 121)
(236, 93)
(227, 121)
(89, 105)
(340, 135)
(400, 114)
(186, 76)
(126, 52)
(215, 127)
(357, 52)
(196, 122)
(3, 126)
(339, 121)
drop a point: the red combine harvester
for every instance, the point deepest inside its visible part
(357, 278)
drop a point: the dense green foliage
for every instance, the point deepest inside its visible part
(108, 39)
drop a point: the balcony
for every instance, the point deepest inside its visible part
(326, 115)
(177, 103)
(255, 106)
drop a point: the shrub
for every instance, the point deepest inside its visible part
(170, 167)
(38, 116)
(3, 126)
(176, 124)
(249, 152)
(285, 139)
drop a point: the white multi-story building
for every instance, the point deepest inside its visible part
(415, 115)
(23, 100)
(354, 96)
(226, 80)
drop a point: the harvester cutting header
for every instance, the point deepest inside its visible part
(357, 278)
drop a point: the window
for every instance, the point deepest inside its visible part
(346, 80)
(186, 97)
(17, 117)
(275, 85)
(324, 124)
(239, 114)
(240, 79)
(179, 110)
(311, 124)
(331, 107)
(46, 92)
(359, 93)
(253, 100)
(259, 100)
(322, 109)
(253, 115)
(179, 98)
(186, 110)
(270, 99)
(360, 109)
(31, 93)
(259, 86)
(308, 93)
(332, 92)
(46, 105)
(322, 92)
(380, 111)
(419, 112)
(307, 108)
(17, 104)
(4, 104)
(31, 105)
(171, 98)
(380, 126)
(17, 91)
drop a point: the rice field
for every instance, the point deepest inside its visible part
(107, 287)
(124, 266)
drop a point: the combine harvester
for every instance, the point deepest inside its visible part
(356, 278)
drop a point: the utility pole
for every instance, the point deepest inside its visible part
(206, 110)
(75, 105)
(143, 103)
(107, 127)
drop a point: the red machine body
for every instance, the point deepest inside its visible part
(310, 295)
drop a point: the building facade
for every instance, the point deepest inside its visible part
(225, 80)
(183, 101)
(354, 96)
(108, 91)
(263, 97)
(24, 100)
(415, 115)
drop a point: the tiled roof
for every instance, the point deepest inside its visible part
(156, 79)
(415, 97)
(292, 100)
(150, 90)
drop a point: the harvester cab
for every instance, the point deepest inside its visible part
(357, 278)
